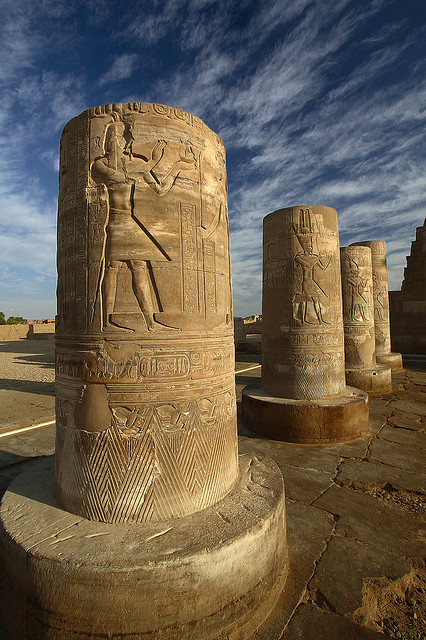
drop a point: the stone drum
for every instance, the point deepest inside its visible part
(358, 319)
(381, 305)
(303, 397)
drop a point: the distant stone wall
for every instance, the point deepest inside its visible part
(239, 330)
(41, 331)
(13, 331)
(253, 324)
(31, 331)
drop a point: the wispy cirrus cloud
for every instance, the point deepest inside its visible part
(122, 68)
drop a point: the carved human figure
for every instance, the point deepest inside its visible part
(127, 242)
(312, 293)
(358, 286)
(380, 307)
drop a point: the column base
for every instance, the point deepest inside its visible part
(214, 574)
(376, 380)
(306, 421)
(392, 360)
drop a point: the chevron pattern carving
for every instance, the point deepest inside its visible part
(161, 472)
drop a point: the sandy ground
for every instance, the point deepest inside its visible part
(27, 381)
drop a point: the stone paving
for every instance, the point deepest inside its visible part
(355, 512)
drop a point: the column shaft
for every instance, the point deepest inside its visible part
(145, 400)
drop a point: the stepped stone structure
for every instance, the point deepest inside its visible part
(303, 395)
(381, 305)
(146, 446)
(362, 371)
(408, 306)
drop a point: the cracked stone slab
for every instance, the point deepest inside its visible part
(301, 484)
(337, 585)
(35, 401)
(327, 626)
(397, 455)
(305, 485)
(407, 420)
(314, 457)
(412, 404)
(403, 436)
(370, 520)
(364, 474)
(416, 378)
(308, 530)
(14, 451)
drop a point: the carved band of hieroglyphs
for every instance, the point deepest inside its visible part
(161, 110)
(314, 338)
(137, 367)
(189, 258)
(69, 366)
(315, 359)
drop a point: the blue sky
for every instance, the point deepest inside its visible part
(317, 101)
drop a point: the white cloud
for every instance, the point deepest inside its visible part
(122, 67)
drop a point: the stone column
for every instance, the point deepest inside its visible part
(145, 349)
(381, 305)
(150, 491)
(358, 319)
(303, 397)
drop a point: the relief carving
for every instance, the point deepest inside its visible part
(127, 241)
(358, 292)
(311, 295)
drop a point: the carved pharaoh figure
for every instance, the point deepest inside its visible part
(126, 240)
(311, 292)
(358, 286)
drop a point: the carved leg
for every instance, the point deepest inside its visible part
(305, 312)
(142, 290)
(109, 290)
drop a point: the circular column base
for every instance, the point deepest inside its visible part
(306, 421)
(392, 360)
(377, 380)
(211, 575)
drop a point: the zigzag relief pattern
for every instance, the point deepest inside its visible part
(153, 463)
(308, 381)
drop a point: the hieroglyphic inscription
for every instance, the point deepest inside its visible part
(189, 258)
(209, 276)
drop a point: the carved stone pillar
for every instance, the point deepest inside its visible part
(168, 533)
(144, 344)
(381, 305)
(358, 319)
(303, 397)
